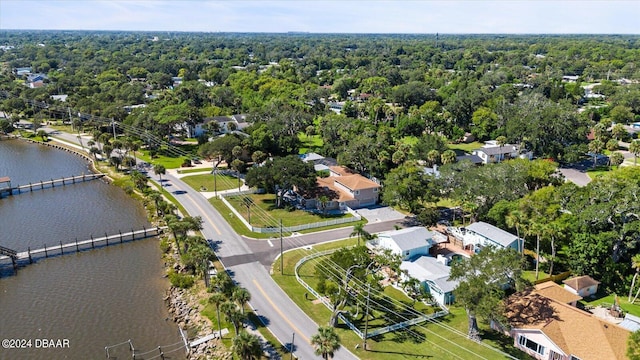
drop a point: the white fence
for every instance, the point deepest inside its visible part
(286, 229)
(325, 302)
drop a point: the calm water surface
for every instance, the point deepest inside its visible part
(94, 298)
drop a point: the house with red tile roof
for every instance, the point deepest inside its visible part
(345, 188)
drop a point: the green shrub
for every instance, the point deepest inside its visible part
(165, 245)
(183, 281)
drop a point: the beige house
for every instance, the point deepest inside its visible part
(545, 325)
(345, 188)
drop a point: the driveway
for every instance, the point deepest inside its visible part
(380, 214)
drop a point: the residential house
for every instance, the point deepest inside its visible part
(556, 292)
(36, 80)
(409, 242)
(491, 152)
(582, 285)
(320, 163)
(480, 234)
(349, 190)
(227, 124)
(23, 71)
(433, 276)
(549, 329)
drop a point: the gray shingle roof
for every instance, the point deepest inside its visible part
(496, 150)
(409, 238)
(493, 233)
(427, 268)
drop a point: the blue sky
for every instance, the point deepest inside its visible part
(320, 16)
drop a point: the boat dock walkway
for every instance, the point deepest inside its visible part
(28, 257)
(7, 189)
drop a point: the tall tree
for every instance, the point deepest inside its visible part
(481, 283)
(326, 342)
(247, 346)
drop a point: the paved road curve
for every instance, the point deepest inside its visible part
(281, 315)
(248, 261)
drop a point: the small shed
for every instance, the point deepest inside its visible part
(582, 285)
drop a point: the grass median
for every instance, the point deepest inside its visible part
(444, 338)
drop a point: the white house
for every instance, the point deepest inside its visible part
(491, 152)
(480, 234)
(408, 243)
(434, 277)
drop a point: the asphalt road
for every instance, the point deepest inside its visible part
(279, 313)
(248, 262)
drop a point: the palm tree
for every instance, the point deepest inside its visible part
(216, 299)
(242, 296)
(155, 196)
(323, 200)
(448, 157)
(501, 141)
(635, 264)
(234, 316)
(595, 147)
(538, 229)
(433, 156)
(358, 230)
(159, 170)
(514, 219)
(247, 346)
(326, 342)
(634, 148)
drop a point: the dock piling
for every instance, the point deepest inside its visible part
(61, 250)
(29, 253)
(46, 255)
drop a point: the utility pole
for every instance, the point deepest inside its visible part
(366, 318)
(293, 338)
(281, 255)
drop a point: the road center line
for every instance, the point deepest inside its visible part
(297, 331)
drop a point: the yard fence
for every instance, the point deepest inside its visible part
(376, 332)
(287, 229)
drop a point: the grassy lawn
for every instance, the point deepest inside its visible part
(206, 181)
(195, 170)
(309, 143)
(239, 227)
(442, 339)
(609, 299)
(599, 171)
(466, 147)
(266, 204)
(167, 161)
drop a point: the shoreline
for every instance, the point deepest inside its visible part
(183, 306)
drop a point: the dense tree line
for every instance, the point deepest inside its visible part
(405, 98)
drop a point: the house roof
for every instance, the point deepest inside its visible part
(475, 159)
(341, 170)
(497, 150)
(356, 182)
(630, 322)
(409, 238)
(567, 326)
(493, 233)
(556, 292)
(330, 184)
(427, 268)
(580, 282)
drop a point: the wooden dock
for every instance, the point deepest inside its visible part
(11, 190)
(29, 256)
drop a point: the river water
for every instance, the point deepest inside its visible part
(83, 301)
